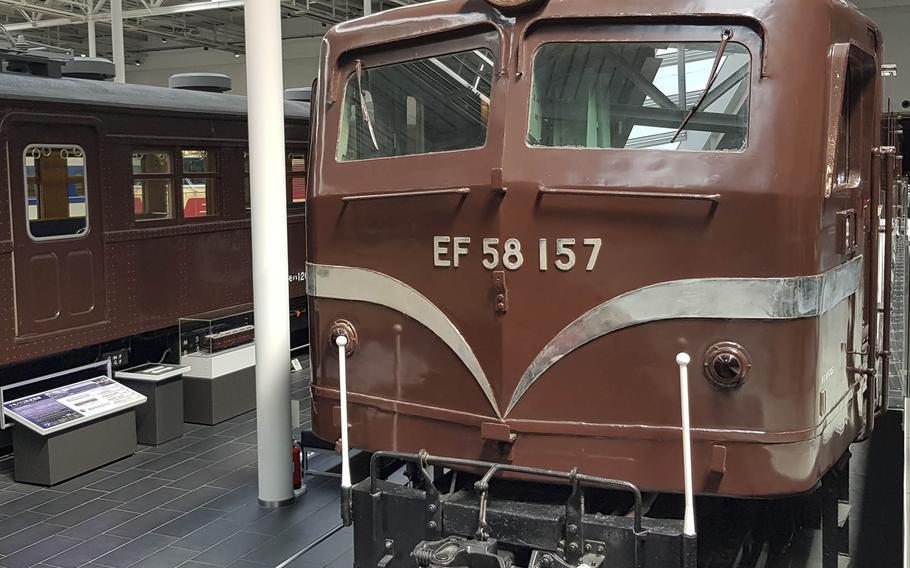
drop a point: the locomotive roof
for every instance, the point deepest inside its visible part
(103, 93)
(428, 17)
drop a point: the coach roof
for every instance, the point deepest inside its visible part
(140, 97)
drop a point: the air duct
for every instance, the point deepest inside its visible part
(299, 94)
(205, 82)
(94, 68)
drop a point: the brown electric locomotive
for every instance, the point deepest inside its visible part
(126, 207)
(521, 212)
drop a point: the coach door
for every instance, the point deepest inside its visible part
(57, 239)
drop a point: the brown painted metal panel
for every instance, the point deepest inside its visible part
(47, 263)
(610, 407)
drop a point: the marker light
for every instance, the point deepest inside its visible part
(727, 364)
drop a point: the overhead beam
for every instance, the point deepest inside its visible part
(140, 13)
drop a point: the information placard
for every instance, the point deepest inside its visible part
(64, 407)
(152, 372)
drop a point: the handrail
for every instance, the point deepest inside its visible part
(463, 191)
(713, 197)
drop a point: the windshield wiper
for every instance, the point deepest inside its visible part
(363, 105)
(725, 38)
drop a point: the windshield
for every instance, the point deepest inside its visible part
(435, 104)
(627, 95)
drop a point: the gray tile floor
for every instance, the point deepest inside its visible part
(190, 503)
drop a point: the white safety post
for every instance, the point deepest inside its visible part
(117, 41)
(683, 361)
(92, 42)
(265, 115)
(342, 343)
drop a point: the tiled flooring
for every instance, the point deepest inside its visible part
(190, 503)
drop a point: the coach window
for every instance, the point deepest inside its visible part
(641, 95)
(295, 170)
(200, 172)
(153, 187)
(55, 191)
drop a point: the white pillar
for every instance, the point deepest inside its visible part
(92, 42)
(367, 7)
(265, 100)
(117, 39)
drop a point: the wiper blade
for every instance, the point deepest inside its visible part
(363, 105)
(725, 38)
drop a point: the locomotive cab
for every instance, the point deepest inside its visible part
(521, 212)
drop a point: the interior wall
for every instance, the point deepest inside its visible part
(893, 18)
(300, 65)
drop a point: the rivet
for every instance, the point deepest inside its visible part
(389, 544)
(573, 529)
(573, 547)
(432, 525)
(588, 548)
(431, 507)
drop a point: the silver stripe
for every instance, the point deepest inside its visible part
(709, 298)
(362, 285)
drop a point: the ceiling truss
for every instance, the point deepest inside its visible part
(162, 25)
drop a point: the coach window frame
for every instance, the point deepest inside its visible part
(169, 176)
(80, 234)
(213, 201)
(290, 176)
(176, 177)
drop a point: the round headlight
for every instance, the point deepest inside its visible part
(727, 364)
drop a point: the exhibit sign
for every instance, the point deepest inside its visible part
(61, 408)
(153, 372)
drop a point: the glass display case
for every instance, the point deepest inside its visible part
(217, 331)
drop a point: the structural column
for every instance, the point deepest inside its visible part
(92, 41)
(265, 100)
(117, 40)
(367, 7)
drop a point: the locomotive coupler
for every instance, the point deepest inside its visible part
(460, 552)
(479, 514)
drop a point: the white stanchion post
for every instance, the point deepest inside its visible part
(117, 41)
(92, 41)
(265, 101)
(342, 343)
(683, 361)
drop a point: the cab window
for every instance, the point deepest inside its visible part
(55, 190)
(434, 104)
(637, 95)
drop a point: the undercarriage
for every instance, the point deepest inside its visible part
(456, 513)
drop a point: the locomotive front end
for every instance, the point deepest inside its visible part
(521, 212)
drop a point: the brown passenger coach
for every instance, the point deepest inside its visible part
(125, 208)
(521, 212)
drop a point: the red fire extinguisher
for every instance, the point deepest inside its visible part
(296, 455)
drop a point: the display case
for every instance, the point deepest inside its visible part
(219, 350)
(217, 331)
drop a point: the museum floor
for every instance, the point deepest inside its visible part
(189, 503)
